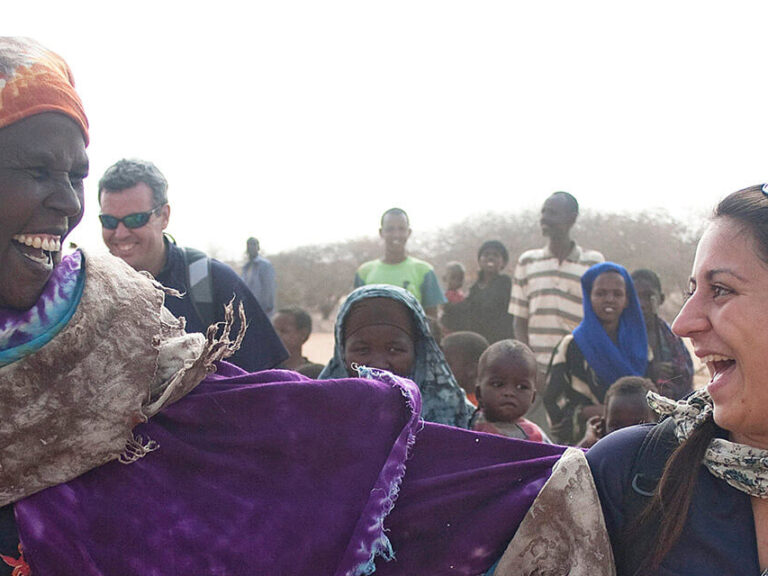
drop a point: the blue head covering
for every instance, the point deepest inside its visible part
(443, 401)
(609, 361)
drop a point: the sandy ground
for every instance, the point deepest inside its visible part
(319, 347)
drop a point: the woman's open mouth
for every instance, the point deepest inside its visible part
(39, 248)
(717, 365)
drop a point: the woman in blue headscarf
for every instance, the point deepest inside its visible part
(382, 326)
(609, 343)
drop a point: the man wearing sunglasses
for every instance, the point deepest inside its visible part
(134, 214)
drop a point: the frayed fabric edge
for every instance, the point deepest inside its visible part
(381, 547)
(218, 346)
(136, 448)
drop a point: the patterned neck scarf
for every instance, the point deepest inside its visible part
(743, 467)
(442, 399)
(22, 332)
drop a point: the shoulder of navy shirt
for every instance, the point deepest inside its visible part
(261, 349)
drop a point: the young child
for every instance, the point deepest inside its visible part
(505, 391)
(454, 280)
(293, 326)
(670, 367)
(385, 327)
(625, 405)
(462, 351)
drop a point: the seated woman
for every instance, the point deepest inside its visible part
(690, 495)
(609, 343)
(670, 366)
(122, 453)
(382, 326)
(484, 310)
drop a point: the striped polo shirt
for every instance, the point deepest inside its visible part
(548, 293)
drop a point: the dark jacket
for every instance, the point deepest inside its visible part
(261, 348)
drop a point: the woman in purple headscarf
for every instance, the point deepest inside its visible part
(128, 447)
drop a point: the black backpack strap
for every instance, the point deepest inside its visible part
(651, 459)
(200, 284)
(647, 469)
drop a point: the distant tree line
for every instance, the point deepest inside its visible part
(318, 277)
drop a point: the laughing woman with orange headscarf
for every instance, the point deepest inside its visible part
(122, 454)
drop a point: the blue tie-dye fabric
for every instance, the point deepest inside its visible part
(22, 332)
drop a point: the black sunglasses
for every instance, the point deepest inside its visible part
(136, 220)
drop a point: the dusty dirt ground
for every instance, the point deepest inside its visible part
(319, 347)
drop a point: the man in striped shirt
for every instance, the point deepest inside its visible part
(546, 294)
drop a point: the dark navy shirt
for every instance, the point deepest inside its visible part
(719, 535)
(261, 349)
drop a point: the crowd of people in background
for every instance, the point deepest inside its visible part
(582, 323)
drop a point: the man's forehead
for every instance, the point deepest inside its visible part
(395, 218)
(556, 201)
(139, 195)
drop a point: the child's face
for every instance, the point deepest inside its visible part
(491, 261)
(506, 386)
(454, 279)
(293, 338)
(380, 346)
(623, 411)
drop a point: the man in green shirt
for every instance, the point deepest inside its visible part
(399, 269)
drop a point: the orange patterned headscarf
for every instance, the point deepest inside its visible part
(34, 80)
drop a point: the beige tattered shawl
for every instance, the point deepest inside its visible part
(72, 405)
(563, 532)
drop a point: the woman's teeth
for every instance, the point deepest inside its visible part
(714, 358)
(39, 248)
(717, 363)
(47, 242)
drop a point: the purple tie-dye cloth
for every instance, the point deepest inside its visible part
(24, 331)
(273, 474)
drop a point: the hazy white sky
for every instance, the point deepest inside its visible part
(300, 122)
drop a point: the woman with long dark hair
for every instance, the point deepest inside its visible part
(708, 512)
